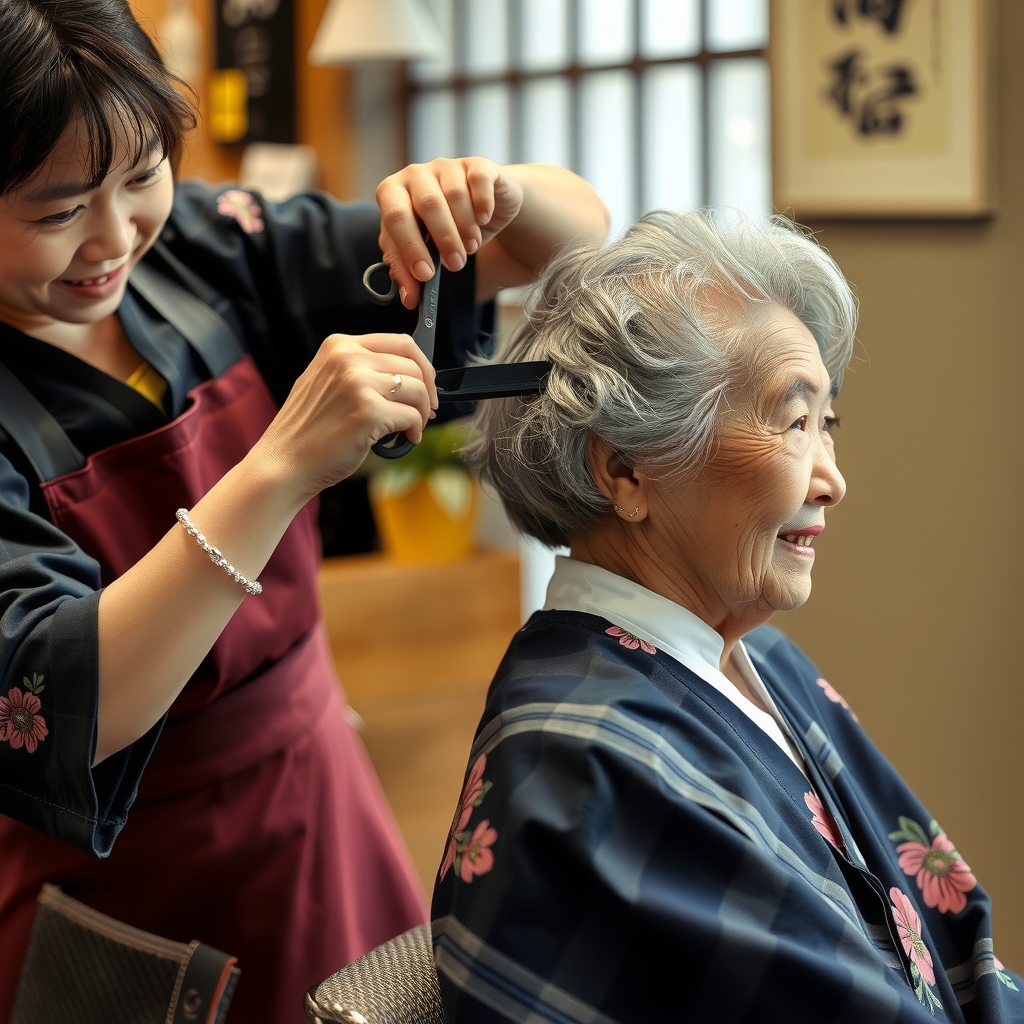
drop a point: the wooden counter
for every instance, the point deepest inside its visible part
(416, 647)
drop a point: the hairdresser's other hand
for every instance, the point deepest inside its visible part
(345, 401)
(462, 204)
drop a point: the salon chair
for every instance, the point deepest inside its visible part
(393, 984)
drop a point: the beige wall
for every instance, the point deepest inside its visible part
(918, 607)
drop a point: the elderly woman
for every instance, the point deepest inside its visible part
(669, 815)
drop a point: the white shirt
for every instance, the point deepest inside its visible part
(582, 587)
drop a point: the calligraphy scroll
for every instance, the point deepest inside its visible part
(881, 107)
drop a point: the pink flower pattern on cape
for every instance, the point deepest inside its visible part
(478, 858)
(908, 925)
(21, 725)
(470, 853)
(943, 876)
(822, 820)
(464, 810)
(241, 205)
(836, 697)
(630, 640)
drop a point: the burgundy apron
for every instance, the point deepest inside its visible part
(260, 827)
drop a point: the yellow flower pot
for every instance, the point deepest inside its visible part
(427, 520)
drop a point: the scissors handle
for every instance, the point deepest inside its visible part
(395, 445)
(392, 446)
(380, 298)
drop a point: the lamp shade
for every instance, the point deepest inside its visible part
(366, 30)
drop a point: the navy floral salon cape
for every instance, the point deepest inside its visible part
(630, 847)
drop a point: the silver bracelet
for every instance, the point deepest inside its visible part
(253, 587)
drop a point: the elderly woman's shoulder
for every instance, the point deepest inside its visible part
(567, 656)
(785, 664)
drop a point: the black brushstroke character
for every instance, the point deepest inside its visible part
(849, 74)
(885, 12)
(874, 110)
(880, 111)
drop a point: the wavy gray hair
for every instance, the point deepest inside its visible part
(638, 334)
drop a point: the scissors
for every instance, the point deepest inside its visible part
(462, 383)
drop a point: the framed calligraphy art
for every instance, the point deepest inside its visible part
(881, 108)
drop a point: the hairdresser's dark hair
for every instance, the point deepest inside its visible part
(65, 59)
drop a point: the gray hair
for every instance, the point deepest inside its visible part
(638, 335)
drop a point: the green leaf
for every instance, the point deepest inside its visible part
(483, 792)
(441, 446)
(393, 481)
(452, 489)
(36, 684)
(935, 829)
(1006, 980)
(909, 829)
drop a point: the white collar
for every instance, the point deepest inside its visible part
(580, 586)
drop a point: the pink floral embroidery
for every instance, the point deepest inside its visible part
(241, 205)
(630, 640)
(943, 876)
(822, 820)
(908, 927)
(478, 857)
(1002, 975)
(470, 853)
(836, 697)
(21, 725)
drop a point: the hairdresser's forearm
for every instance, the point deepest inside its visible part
(159, 620)
(559, 207)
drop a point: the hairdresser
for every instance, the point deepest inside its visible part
(174, 749)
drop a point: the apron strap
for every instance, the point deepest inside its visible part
(199, 324)
(42, 440)
(40, 437)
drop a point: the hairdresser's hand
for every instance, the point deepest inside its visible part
(345, 401)
(461, 203)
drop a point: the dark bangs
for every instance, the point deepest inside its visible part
(65, 59)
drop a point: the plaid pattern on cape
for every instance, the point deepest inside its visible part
(630, 847)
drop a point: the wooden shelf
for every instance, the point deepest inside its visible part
(416, 647)
(404, 630)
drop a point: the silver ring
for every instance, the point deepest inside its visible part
(398, 383)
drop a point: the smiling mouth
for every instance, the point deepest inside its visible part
(98, 281)
(86, 282)
(803, 540)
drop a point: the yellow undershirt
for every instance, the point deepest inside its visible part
(149, 384)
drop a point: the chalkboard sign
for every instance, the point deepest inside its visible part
(256, 38)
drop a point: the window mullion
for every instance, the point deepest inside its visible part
(515, 85)
(705, 109)
(637, 139)
(576, 142)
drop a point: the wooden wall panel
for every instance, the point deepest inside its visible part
(324, 118)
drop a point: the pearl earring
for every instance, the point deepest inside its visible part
(619, 508)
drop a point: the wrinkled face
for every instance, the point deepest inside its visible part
(66, 249)
(741, 533)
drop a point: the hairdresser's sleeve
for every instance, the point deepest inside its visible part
(293, 271)
(49, 596)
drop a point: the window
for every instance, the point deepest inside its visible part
(658, 103)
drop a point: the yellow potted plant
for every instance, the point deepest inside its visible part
(425, 504)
